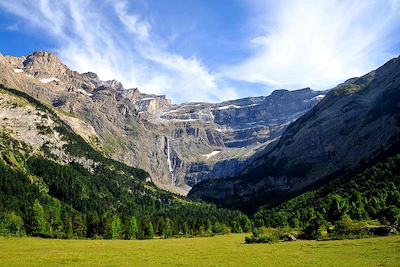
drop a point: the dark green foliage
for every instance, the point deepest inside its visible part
(167, 231)
(11, 225)
(115, 230)
(347, 228)
(337, 207)
(315, 228)
(148, 230)
(219, 228)
(237, 228)
(260, 239)
(132, 229)
(36, 220)
(246, 224)
(369, 195)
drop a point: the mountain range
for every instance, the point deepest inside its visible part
(178, 145)
(96, 146)
(354, 124)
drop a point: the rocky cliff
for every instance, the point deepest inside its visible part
(179, 145)
(352, 125)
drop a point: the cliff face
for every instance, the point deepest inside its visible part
(353, 124)
(179, 145)
(220, 140)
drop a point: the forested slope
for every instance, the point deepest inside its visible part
(54, 184)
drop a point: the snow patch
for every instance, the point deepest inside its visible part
(147, 98)
(228, 107)
(18, 70)
(84, 92)
(48, 80)
(211, 154)
(319, 97)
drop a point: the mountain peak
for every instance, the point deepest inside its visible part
(45, 63)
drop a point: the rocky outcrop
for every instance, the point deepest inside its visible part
(179, 145)
(353, 124)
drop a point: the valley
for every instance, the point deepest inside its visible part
(199, 133)
(102, 156)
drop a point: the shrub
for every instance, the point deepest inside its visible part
(11, 225)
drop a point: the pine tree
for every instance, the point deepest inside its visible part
(237, 228)
(246, 224)
(115, 228)
(148, 230)
(185, 228)
(132, 229)
(37, 221)
(167, 231)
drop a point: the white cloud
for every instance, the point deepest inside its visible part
(132, 22)
(318, 43)
(294, 44)
(91, 40)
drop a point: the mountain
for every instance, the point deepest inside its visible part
(53, 183)
(355, 124)
(178, 145)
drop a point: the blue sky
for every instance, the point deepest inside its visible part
(208, 50)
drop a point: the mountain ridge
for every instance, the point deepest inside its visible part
(352, 123)
(139, 129)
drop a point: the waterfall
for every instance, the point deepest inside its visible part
(169, 162)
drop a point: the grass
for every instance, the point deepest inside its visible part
(228, 250)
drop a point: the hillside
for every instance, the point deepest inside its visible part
(178, 145)
(353, 125)
(54, 184)
(372, 194)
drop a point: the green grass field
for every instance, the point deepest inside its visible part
(228, 250)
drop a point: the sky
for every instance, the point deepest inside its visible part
(208, 50)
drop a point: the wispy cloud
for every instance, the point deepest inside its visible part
(318, 43)
(293, 44)
(117, 46)
(132, 22)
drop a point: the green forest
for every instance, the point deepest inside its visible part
(39, 196)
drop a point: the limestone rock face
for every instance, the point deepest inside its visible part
(354, 123)
(179, 145)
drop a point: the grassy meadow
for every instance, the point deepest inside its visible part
(227, 250)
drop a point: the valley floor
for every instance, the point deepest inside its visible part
(228, 250)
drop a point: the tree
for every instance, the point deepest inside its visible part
(93, 225)
(79, 225)
(148, 230)
(338, 207)
(36, 219)
(246, 224)
(345, 226)
(237, 228)
(11, 225)
(357, 210)
(132, 229)
(115, 228)
(393, 198)
(167, 231)
(315, 227)
(68, 228)
(53, 212)
(185, 228)
(208, 226)
(391, 214)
